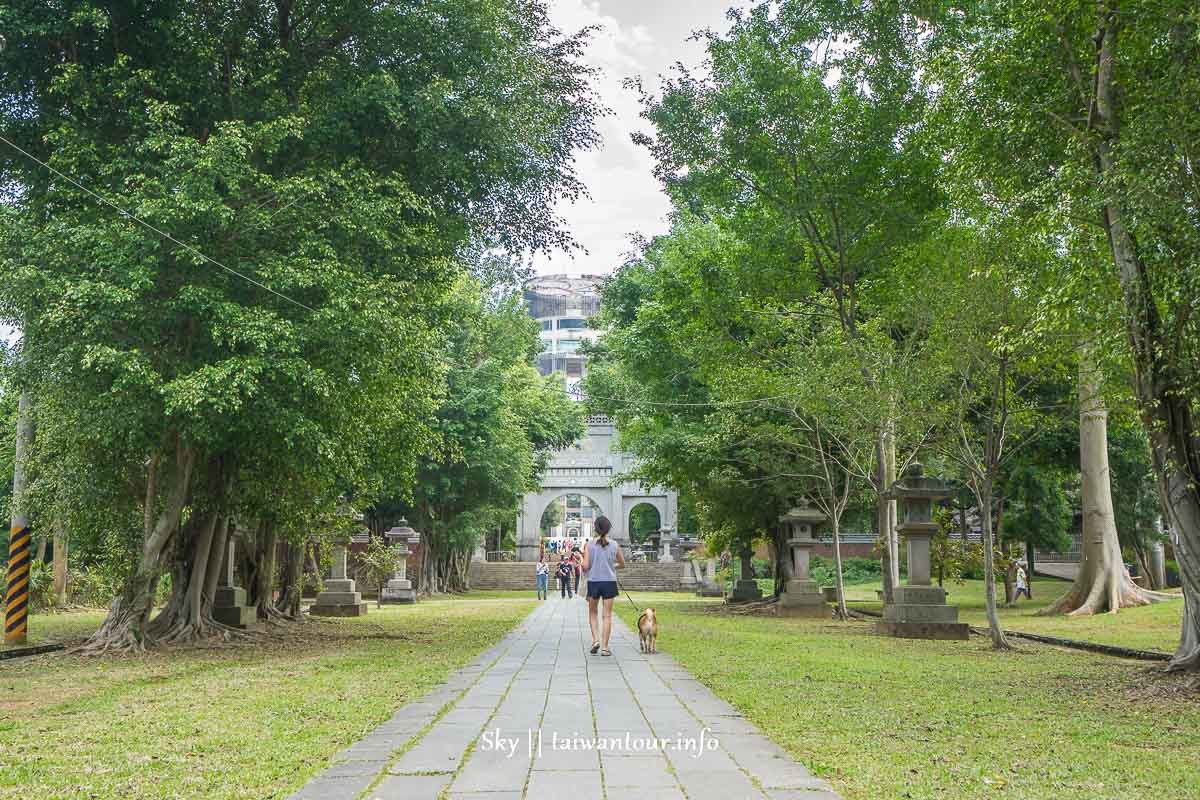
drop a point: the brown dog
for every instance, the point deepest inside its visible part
(648, 631)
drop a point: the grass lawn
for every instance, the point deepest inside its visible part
(59, 626)
(244, 721)
(896, 718)
(1153, 627)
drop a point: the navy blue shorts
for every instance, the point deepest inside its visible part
(604, 589)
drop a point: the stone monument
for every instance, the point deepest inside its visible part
(919, 609)
(340, 599)
(666, 538)
(709, 585)
(399, 589)
(746, 589)
(802, 597)
(229, 601)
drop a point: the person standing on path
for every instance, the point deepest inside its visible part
(564, 575)
(543, 578)
(601, 559)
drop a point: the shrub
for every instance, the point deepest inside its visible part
(762, 567)
(854, 570)
(41, 583)
(92, 587)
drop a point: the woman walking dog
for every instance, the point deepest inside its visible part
(601, 559)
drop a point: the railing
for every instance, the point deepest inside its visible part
(501, 555)
(646, 556)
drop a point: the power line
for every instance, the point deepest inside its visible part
(161, 233)
(725, 404)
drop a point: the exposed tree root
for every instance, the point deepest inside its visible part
(1105, 595)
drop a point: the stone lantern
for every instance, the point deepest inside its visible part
(802, 597)
(340, 598)
(919, 609)
(399, 588)
(667, 537)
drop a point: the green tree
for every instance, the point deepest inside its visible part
(310, 179)
(811, 154)
(1083, 115)
(497, 426)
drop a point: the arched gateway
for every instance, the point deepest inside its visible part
(562, 305)
(587, 470)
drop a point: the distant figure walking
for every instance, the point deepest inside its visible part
(601, 559)
(1022, 585)
(564, 575)
(543, 578)
(576, 567)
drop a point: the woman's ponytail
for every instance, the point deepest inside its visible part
(603, 526)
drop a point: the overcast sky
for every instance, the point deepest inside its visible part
(639, 38)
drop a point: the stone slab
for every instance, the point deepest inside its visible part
(338, 598)
(955, 631)
(339, 585)
(243, 617)
(351, 610)
(745, 591)
(410, 787)
(229, 596)
(908, 612)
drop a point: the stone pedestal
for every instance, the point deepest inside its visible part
(919, 610)
(399, 588)
(709, 586)
(691, 577)
(340, 599)
(746, 588)
(802, 596)
(229, 601)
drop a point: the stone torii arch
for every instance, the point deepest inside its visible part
(588, 469)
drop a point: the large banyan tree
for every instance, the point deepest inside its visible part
(229, 229)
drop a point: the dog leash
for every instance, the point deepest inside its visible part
(635, 605)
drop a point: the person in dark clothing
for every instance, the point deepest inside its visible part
(564, 576)
(576, 562)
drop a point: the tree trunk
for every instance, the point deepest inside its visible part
(1166, 410)
(262, 580)
(883, 519)
(1103, 583)
(60, 564)
(124, 627)
(291, 581)
(989, 566)
(1029, 566)
(893, 519)
(835, 523)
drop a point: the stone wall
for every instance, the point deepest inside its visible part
(518, 575)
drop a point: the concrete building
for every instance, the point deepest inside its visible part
(582, 476)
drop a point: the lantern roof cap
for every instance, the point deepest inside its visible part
(402, 531)
(803, 512)
(914, 484)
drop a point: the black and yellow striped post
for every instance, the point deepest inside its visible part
(16, 597)
(20, 556)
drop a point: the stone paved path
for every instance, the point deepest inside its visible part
(540, 677)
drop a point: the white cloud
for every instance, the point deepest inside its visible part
(625, 198)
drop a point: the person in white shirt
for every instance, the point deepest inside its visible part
(543, 578)
(1022, 585)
